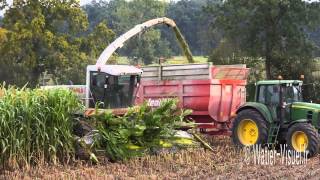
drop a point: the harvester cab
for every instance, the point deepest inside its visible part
(111, 86)
(278, 116)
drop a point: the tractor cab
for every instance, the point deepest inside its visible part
(111, 86)
(278, 96)
(278, 116)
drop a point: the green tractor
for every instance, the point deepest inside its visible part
(278, 116)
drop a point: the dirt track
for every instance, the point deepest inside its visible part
(225, 162)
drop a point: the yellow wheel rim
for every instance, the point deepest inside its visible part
(248, 132)
(299, 141)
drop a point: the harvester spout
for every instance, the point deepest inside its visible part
(118, 43)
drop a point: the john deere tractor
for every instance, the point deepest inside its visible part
(278, 116)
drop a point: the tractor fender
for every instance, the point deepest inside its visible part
(261, 108)
(299, 121)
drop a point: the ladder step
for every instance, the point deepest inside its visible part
(273, 133)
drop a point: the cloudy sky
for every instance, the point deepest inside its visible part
(84, 1)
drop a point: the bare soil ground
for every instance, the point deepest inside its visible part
(224, 163)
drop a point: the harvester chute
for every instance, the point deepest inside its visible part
(118, 43)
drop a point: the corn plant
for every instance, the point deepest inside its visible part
(36, 126)
(139, 131)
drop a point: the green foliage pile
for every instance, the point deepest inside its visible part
(140, 131)
(36, 126)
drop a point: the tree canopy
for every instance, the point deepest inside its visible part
(123, 15)
(272, 29)
(189, 15)
(61, 38)
(46, 36)
(3, 4)
(195, 24)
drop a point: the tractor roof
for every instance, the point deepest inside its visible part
(116, 70)
(270, 82)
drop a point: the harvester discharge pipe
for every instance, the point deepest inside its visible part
(118, 43)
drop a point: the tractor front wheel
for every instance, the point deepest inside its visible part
(249, 128)
(303, 137)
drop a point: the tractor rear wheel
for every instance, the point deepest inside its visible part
(303, 137)
(249, 128)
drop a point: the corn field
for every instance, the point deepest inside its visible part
(38, 142)
(35, 126)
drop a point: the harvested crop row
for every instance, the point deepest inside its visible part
(36, 126)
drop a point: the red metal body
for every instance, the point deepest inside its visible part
(214, 100)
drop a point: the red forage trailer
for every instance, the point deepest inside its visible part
(214, 93)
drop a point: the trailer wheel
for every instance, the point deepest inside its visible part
(249, 128)
(303, 137)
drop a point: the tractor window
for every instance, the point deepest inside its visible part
(272, 94)
(261, 97)
(297, 96)
(269, 94)
(98, 84)
(126, 87)
(112, 91)
(292, 94)
(99, 79)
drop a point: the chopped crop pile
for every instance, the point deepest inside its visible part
(36, 126)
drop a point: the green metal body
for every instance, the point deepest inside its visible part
(280, 103)
(301, 110)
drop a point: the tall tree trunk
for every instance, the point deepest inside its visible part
(268, 66)
(268, 57)
(35, 75)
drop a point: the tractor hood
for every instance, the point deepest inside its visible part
(304, 105)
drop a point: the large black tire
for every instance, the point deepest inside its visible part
(258, 119)
(312, 135)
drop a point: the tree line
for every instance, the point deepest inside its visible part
(59, 37)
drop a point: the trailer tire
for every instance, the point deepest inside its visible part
(249, 128)
(301, 133)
